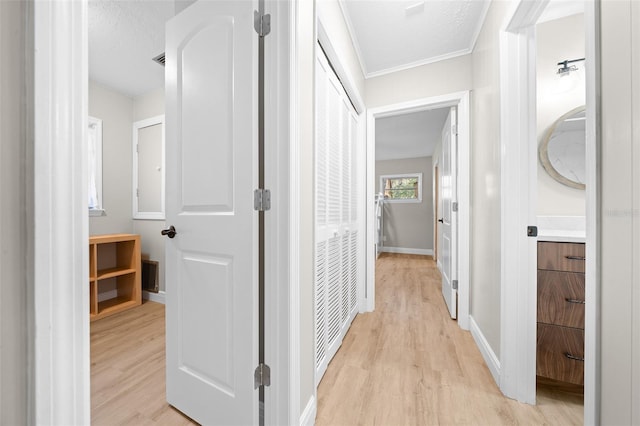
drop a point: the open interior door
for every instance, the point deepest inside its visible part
(211, 252)
(448, 250)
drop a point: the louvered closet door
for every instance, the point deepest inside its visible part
(337, 220)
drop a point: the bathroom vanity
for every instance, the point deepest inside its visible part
(561, 309)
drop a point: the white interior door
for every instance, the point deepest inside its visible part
(211, 164)
(449, 226)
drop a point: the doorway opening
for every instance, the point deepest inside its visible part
(524, 337)
(385, 115)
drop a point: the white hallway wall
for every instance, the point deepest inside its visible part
(485, 178)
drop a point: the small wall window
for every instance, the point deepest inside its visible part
(94, 141)
(406, 188)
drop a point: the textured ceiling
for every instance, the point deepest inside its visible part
(123, 37)
(409, 135)
(394, 35)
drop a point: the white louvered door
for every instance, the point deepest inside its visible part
(337, 267)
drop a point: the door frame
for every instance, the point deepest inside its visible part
(518, 254)
(59, 331)
(59, 389)
(461, 101)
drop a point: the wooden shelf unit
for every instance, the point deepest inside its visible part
(115, 259)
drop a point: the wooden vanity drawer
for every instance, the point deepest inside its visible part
(568, 257)
(560, 353)
(561, 298)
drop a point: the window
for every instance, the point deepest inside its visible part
(94, 136)
(405, 188)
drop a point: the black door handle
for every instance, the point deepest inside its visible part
(441, 220)
(169, 232)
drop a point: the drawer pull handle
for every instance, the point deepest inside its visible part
(573, 357)
(575, 257)
(576, 301)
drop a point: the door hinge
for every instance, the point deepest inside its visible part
(261, 23)
(454, 284)
(454, 129)
(454, 206)
(262, 376)
(261, 200)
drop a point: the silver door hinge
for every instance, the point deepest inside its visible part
(454, 284)
(261, 200)
(261, 23)
(454, 207)
(455, 129)
(262, 376)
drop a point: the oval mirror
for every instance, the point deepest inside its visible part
(562, 152)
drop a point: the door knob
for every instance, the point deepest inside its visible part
(169, 232)
(441, 220)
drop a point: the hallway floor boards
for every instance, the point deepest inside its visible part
(408, 363)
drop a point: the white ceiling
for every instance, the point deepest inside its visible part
(409, 135)
(394, 35)
(123, 37)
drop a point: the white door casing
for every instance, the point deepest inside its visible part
(461, 100)
(449, 226)
(211, 130)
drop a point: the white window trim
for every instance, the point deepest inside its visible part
(96, 123)
(402, 176)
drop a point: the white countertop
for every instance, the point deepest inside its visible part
(562, 229)
(563, 237)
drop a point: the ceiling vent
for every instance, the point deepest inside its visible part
(159, 59)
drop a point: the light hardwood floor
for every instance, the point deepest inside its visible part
(128, 369)
(408, 363)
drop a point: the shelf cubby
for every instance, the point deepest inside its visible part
(114, 262)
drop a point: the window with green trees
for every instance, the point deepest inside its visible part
(402, 188)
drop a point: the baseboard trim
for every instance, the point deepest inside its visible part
(489, 356)
(402, 250)
(154, 297)
(308, 417)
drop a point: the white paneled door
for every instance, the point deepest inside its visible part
(338, 242)
(448, 250)
(211, 162)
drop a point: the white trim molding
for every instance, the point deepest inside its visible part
(592, 370)
(518, 192)
(461, 101)
(158, 297)
(421, 62)
(403, 250)
(137, 126)
(61, 361)
(308, 416)
(487, 353)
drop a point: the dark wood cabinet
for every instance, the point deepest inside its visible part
(561, 303)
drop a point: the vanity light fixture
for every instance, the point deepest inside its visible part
(566, 68)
